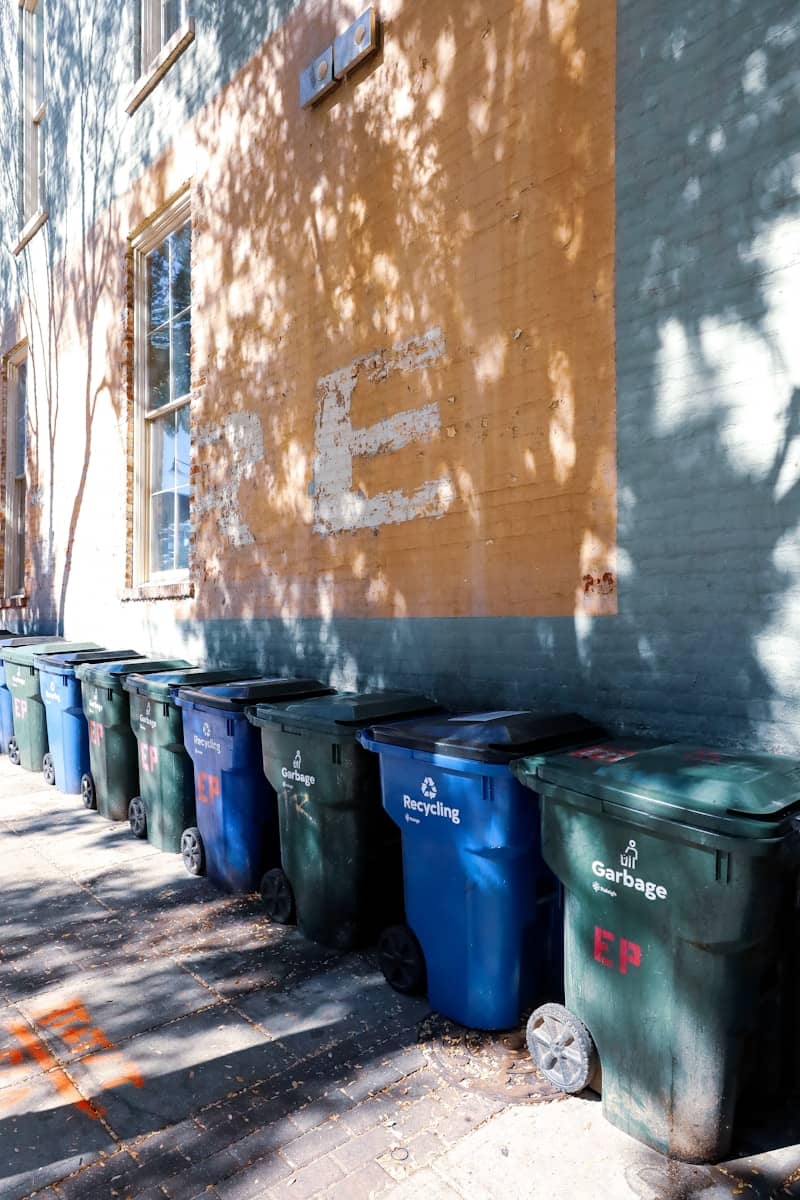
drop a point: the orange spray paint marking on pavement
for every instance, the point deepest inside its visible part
(36, 1049)
(73, 1025)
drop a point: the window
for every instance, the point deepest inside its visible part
(16, 449)
(32, 110)
(162, 382)
(160, 21)
(164, 30)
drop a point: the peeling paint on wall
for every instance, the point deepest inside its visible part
(337, 507)
(241, 435)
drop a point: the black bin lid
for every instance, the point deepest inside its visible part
(336, 712)
(233, 697)
(163, 685)
(72, 658)
(30, 639)
(490, 737)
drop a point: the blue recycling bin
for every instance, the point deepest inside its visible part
(7, 638)
(483, 911)
(236, 836)
(67, 732)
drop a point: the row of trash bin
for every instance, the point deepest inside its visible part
(502, 857)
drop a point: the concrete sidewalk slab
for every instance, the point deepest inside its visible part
(124, 1004)
(178, 1069)
(45, 1137)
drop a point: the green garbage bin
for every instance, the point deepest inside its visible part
(166, 803)
(6, 700)
(679, 865)
(341, 859)
(113, 777)
(29, 744)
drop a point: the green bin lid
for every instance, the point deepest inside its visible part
(233, 697)
(739, 794)
(341, 711)
(160, 685)
(112, 674)
(24, 655)
(73, 658)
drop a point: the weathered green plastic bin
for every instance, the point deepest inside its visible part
(113, 778)
(679, 865)
(165, 805)
(341, 859)
(29, 744)
(6, 699)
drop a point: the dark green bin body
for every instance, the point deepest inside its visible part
(678, 962)
(166, 772)
(113, 749)
(339, 850)
(22, 680)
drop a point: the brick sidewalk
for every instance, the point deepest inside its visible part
(161, 1041)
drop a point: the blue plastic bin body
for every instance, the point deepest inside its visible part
(474, 882)
(237, 812)
(240, 837)
(481, 901)
(6, 711)
(67, 730)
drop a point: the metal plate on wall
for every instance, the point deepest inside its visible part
(317, 79)
(355, 44)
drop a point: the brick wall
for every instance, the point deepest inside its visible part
(620, 539)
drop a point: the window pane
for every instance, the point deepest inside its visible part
(181, 372)
(157, 287)
(158, 369)
(162, 532)
(183, 530)
(18, 583)
(171, 18)
(162, 454)
(182, 445)
(21, 419)
(180, 256)
(38, 55)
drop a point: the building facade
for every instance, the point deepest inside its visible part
(479, 375)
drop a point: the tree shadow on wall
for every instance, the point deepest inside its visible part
(364, 224)
(73, 278)
(707, 401)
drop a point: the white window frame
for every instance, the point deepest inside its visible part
(152, 40)
(32, 211)
(155, 54)
(173, 217)
(16, 491)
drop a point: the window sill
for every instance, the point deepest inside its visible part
(33, 226)
(182, 590)
(13, 601)
(173, 49)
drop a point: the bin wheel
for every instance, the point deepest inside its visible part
(401, 960)
(137, 816)
(278, 897)
(49, 770)
(562, 1048)
(87, 792)
(194, 856)
(13, 751)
